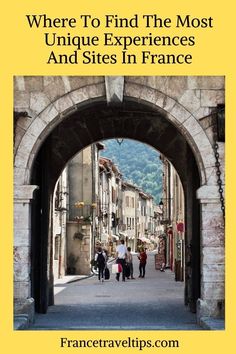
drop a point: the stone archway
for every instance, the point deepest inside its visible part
(144, 109)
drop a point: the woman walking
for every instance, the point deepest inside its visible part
(142, 262)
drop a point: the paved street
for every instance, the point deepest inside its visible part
(155, 302)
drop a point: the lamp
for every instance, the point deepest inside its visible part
(119, 140)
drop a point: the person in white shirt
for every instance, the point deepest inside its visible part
(121, 254)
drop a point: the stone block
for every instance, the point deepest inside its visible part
(210, 134)
(213, 290)
(192, 126)
(21, 291)
(54, 88)
(149, 95)
(172, 86)
(180, 113)
(21, 237)
(211, 239)
(19, 83)
(28, 308)
(206, 82)
(21, 272)
(21, 215)
(212, 221)
(210, 176)
(19, 175)
(33, 83)
(213, 273)
(35, 129)
(21, 322)
(114, 89)
(132, 90)
(77, 82)
(66, 83)
(210, 208)
(48, 114)
(19, 133)
(21, 254)
(190, 101)
(38, 101)
(79, 95)
(140, 80)
(212, 255)
(210, 308)
(21, 101)
(24, 122)
(205, 148)
(211, 98)
(208, 194)
(63, 103)
(168, 103)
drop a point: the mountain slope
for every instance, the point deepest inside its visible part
(139, 163)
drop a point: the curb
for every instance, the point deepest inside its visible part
(21, 322)
(215, 324)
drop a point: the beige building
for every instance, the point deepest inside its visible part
(173, 208)
(129, 214)
(109, 212)
(59, 220)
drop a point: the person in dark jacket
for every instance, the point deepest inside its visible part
(142, 262)
(100, 258)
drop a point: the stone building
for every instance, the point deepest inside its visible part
(56, 117)
(109, 205)
(59, 220)
(83, 176)
(172, 204)
(130, 214)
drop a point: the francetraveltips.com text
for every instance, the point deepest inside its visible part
(129, 342)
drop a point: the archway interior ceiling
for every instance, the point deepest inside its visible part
(99, 122)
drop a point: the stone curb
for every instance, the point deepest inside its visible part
(21, 322)
(216, 324)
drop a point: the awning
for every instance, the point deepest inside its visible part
(123, 234)
(145, 239)
(115, 237)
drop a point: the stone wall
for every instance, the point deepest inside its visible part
(186, 101)
(78, 248)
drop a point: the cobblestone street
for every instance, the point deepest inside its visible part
(155, 302)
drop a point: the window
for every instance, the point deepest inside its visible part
(57, 246)
(132, 223)
(132, 202)
(113, 195)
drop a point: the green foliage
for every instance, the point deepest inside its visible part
(139, 163)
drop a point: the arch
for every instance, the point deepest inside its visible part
(58, 110)
(145, 109)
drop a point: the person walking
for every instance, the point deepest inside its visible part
(129, 262)
(121, 254)
(100, 258)
(142, 262)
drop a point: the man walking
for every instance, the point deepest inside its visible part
(121, 254)
(100, 258)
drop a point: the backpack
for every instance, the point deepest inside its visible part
(100, 259)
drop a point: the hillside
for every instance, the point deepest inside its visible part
(139, 163)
